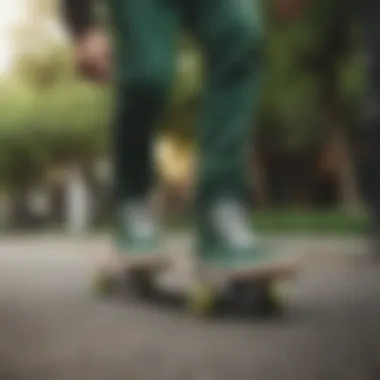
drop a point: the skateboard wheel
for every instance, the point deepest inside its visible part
(252, 298)
(201, 300)
(271, 299)
(140, 283)
(104, 284)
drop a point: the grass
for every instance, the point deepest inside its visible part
(311, 222)
(306, 222)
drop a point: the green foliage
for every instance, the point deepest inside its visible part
(49, 116)
(299, 61)
(45, 68)
(40, 128)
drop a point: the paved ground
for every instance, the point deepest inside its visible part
(51, 328)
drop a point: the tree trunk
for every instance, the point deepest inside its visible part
(348, 187)
(344, 168)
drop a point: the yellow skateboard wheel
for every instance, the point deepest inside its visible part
(275, 296)
(201, 300)
(103, 283)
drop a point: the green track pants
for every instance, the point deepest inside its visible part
(146, 36)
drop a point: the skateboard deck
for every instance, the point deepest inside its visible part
(253, 289)
(258, 272)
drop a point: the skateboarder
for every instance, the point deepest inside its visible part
(145, 40)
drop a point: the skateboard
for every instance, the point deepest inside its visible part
(129, 276)
(249, 291)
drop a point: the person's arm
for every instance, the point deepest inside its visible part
(91, 48)
(78, 16)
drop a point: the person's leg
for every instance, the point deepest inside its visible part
(230, 32)
(145, 38)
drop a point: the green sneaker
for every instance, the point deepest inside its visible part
(138, 236)
(233, 245)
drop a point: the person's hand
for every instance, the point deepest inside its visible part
(92, 55)
(289, 10)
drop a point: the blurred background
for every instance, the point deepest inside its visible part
(307, 148)
(308, 154)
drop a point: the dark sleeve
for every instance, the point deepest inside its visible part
(78, 15)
